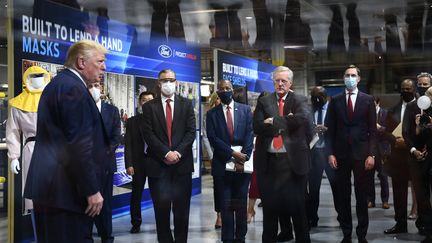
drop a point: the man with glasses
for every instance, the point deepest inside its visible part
(419, 165)
(282, 158)
(168, 128)
(351, 145)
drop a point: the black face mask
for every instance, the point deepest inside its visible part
(317, 102)
(422, 90)
(225, 96)
(407, 96)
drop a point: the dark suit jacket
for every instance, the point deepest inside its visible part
(111, 120)
(153, 130)
(409, 126)
(382, 142)
(361, 131)
(217, 133)
(71, 154)
(295, 130)
(134, 143)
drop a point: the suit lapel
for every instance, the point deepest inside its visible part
(177, 112)
(221, 117)
(343, 106)
(160, 114)
(274, 105)
(236, 117)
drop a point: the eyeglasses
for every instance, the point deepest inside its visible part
(283, 81)
(352, 75)
(166, 80)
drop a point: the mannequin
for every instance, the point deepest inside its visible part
(22, 121)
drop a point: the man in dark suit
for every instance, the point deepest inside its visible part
(397, 163)
(383, 149)
(135, 156)
(319, 100)
(418, 166)
(283, 128)
(351, 145)
(70, 162)
(111, 120)
(169, 131)
(230, 124)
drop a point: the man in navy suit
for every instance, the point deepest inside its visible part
(383, 150)
(111, 119)
(71, 158)
(282, 158)
(351, 123)
(230, 124)
(169, 131)
(135, 156)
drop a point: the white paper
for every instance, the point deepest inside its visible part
(248, 165)
(314, 141)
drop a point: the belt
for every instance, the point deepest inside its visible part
(30, 139)
(277, 155)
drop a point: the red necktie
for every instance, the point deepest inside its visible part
(277, 141)
(230, 123)
(350, 110)
(168, 117)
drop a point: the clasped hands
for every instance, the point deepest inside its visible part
(172, 157)
(239, 160)
(270, 119)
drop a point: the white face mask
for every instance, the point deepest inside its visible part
(95, 93)
(37, 83)
(168, 88)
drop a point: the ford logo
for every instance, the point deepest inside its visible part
(165, 51)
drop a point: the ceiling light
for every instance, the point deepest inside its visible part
(248, 17)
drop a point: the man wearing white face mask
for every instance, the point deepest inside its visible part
(111, 120)
(351, 145)
(169, 131)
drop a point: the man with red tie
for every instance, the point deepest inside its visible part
(351, 145)
(230, 124)
(282, 157)
(169, 131)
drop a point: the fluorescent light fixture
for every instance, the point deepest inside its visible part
(248, 17)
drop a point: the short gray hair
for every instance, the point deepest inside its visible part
(424, 75)
(280, 69)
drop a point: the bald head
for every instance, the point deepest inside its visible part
(318, 97)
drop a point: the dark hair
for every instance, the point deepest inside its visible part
(165, 71)
(148, 92)
(354, 66)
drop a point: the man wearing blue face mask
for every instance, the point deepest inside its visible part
(351, 145)
(230, 124)
(168, 128)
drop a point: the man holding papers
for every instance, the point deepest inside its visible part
(229, 130)
(399, 158)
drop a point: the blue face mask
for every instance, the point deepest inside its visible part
(350, 82)
(225, 96)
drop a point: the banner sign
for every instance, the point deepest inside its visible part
(243, 71)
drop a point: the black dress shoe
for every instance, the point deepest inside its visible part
(395, 230)
(346, 240)
(313, 224)
(362, 240)
(282, 237)
(135, 229)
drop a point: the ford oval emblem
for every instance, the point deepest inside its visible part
(165, 51)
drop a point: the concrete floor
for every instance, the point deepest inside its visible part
(202, 219)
